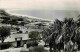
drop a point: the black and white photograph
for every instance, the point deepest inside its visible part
(39, 25)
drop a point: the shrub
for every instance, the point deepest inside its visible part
(37, 49)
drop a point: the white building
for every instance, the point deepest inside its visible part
(15, 41)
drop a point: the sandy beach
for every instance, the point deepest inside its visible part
(25, 16)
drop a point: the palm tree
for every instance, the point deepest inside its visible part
(52, 33)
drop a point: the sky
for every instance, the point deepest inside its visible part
(40, 4)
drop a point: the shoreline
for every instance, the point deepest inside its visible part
(26, 16)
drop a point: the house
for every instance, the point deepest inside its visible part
(17, 40)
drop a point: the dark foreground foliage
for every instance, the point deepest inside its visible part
(37, 49)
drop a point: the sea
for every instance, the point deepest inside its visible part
(49, 14)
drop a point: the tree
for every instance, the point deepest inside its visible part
(77, 38)
(45, 34)
(34, 35)
(70, 29)
(78, 22)
(5, 21)
(62, 31)
(13, 22)
(52, 33)
(4, 32)
(22, 23)
(20, 19)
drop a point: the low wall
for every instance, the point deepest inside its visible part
(22, 49)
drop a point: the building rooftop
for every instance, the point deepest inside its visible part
(12, 37)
